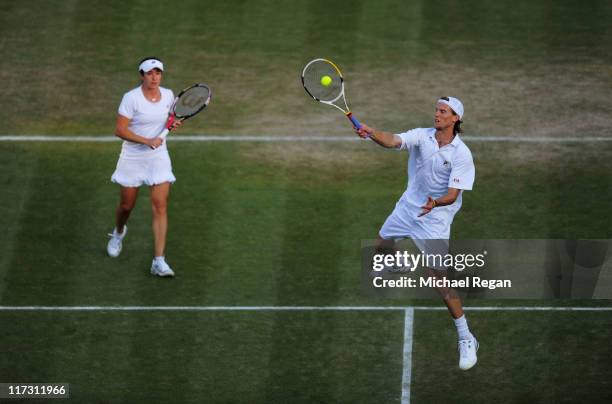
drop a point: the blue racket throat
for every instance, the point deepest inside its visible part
(354, 120)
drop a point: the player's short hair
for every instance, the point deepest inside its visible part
(457, 127)
(145, 59)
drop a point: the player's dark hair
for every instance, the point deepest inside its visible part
(148, 58)
(457, 127)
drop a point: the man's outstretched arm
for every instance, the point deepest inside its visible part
(385, 139)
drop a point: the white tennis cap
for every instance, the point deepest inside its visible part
(454, 103)
(150, 64)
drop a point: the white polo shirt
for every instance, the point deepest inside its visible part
(431, 171)
(147, 119)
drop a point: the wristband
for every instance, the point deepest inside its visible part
(434, 203)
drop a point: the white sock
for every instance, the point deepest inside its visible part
(463, 331)
(159, 259)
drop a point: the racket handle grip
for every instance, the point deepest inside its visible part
(354, 120)
(169, 123)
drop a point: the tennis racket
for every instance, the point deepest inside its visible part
(189, 102)
(323, 81)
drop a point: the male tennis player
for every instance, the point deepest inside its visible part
(144, 158)
(439, 168)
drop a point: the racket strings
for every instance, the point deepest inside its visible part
(322, 81)
(192, 101)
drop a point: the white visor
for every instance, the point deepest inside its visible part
(455, 105)
(151, 64)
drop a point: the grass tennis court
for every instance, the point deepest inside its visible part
(279, 224)
(514, 65)
(305, 356)
(264, 227)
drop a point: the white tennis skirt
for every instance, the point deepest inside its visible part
(149, 170)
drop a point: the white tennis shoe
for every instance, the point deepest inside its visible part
(467, 353)
(114, 246)
(161, 268)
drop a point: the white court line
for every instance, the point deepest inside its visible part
(407, 361)
(194, 138)
(251, 138)
(295, 308)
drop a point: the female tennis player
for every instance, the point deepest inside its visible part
(144, 158)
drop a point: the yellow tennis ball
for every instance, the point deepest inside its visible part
(326, 81)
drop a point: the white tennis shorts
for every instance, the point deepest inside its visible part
(149, 170)
(404, 222)
(429, 234)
